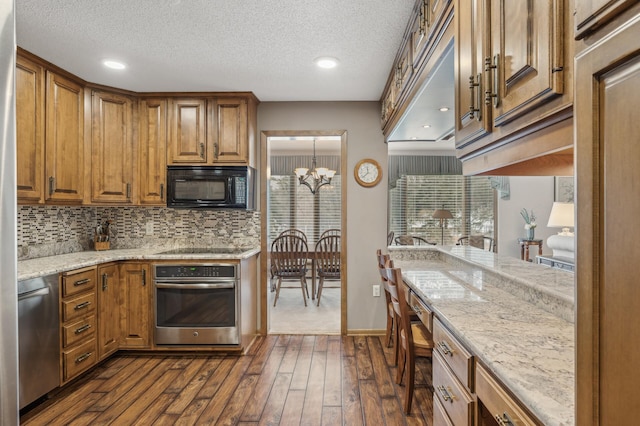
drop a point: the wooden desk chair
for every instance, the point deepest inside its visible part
(479, 241)
(289, 260)
(332, 231)
(327, 257)
(390, 238)
(383, 260)
(415, 340)
(412, 240)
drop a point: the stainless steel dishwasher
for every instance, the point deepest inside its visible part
(38, 337)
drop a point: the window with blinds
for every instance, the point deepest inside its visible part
(414, 199)
(292, 205)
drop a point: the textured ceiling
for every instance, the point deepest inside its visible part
(263, 46)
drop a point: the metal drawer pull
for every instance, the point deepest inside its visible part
(105, 280)
(128, 190)
(82, 282)
(476, 89)
(445, 394)
(492, 93)
(52, 185)
(504, 420)
(417, 309)
(444, 348)
(83, 328)
(83, 357)
(201, 149)
(82, 305)
(144, 277)
(162, 191)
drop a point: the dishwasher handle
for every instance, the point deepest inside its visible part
(34, 293)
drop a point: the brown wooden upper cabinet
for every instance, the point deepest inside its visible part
(153, 151)
(510, 61)
(64, 140)
(112, 148)
(30, 130)
(593, 14)
(208, 131)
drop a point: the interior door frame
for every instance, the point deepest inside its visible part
(264, 275)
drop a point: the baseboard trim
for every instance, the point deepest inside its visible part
(356, 332)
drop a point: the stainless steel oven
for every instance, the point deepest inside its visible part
(196, 304)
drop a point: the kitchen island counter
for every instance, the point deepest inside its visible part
(33, 268)
(516, 318)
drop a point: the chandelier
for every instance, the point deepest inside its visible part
(314, 178)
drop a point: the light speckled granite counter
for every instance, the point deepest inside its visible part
(33, 268)
(515, 317)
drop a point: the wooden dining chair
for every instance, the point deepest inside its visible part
(392, 330)
(415, 340)
(412, 240)
(327, 257)
(332, 231)
(295, 232)
(479, 241)
(289, 255)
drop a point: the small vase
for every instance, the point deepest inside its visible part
(531, 233)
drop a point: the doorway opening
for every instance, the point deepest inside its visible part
(312, 213)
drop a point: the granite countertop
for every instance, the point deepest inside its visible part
(33, 268)
(527, 345)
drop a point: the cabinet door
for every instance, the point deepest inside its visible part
(64, 140)
(188, 142)
(153, 151)
(525, 67)
(108, 310)
(472, 114)
(230, 139)
(136, 305)
(607, 97)
(420, 31)
(30, 130)
(111, 148)
(591, 14)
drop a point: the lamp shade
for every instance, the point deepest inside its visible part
(442, 214)
(561, 215)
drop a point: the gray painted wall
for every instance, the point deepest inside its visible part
(366, 207)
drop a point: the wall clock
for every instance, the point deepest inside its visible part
(368, 172)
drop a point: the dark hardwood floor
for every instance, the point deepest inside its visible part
(282, 380)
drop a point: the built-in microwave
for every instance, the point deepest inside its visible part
(229, 187)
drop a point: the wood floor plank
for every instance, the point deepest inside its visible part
(113, 366)
(312, 410)
(392, 411)
(348, 346)
(382, 377)
(85, 419)
(188, 393)
(214, 382)
(303, 364)
(191, 414)
(261, 357)
(351, 404)
(371, 404)
(292, 410)
(290, 358)
(155, 410)
(333, 375)
(165, 420)
(233, 410)
(321, 343)
(254, 407)
(272, 413)
(185, 377)
(113, 382)
(146, 397)
(213, 410)
(331, 416)
(363, 358)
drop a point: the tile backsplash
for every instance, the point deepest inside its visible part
(52, 230)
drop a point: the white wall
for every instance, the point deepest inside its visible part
(529, 192)
(366, 207)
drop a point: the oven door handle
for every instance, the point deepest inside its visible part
(196, 286)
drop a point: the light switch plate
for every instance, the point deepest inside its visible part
(376, 290)
(149, 228)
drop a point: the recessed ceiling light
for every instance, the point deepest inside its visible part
(326, 62)
(114, 65)
(444, 109)
(426, 126)
(413, 138)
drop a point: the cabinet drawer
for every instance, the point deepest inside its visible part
(79, 282)
(79, 359)
(455, 399)
(453, 353)
(78, 330)
(440, 416)
(424, 313)
(79, 306)
(499, 404)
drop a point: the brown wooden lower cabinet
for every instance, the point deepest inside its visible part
(458, 403)
(108, 309)
(77, 322)
(136, 297)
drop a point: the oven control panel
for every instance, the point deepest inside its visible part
(195, 271)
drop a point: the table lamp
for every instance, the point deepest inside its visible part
(442, 214)
(562, 216)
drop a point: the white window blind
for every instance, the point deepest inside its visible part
(415, 198)
(292, 205)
